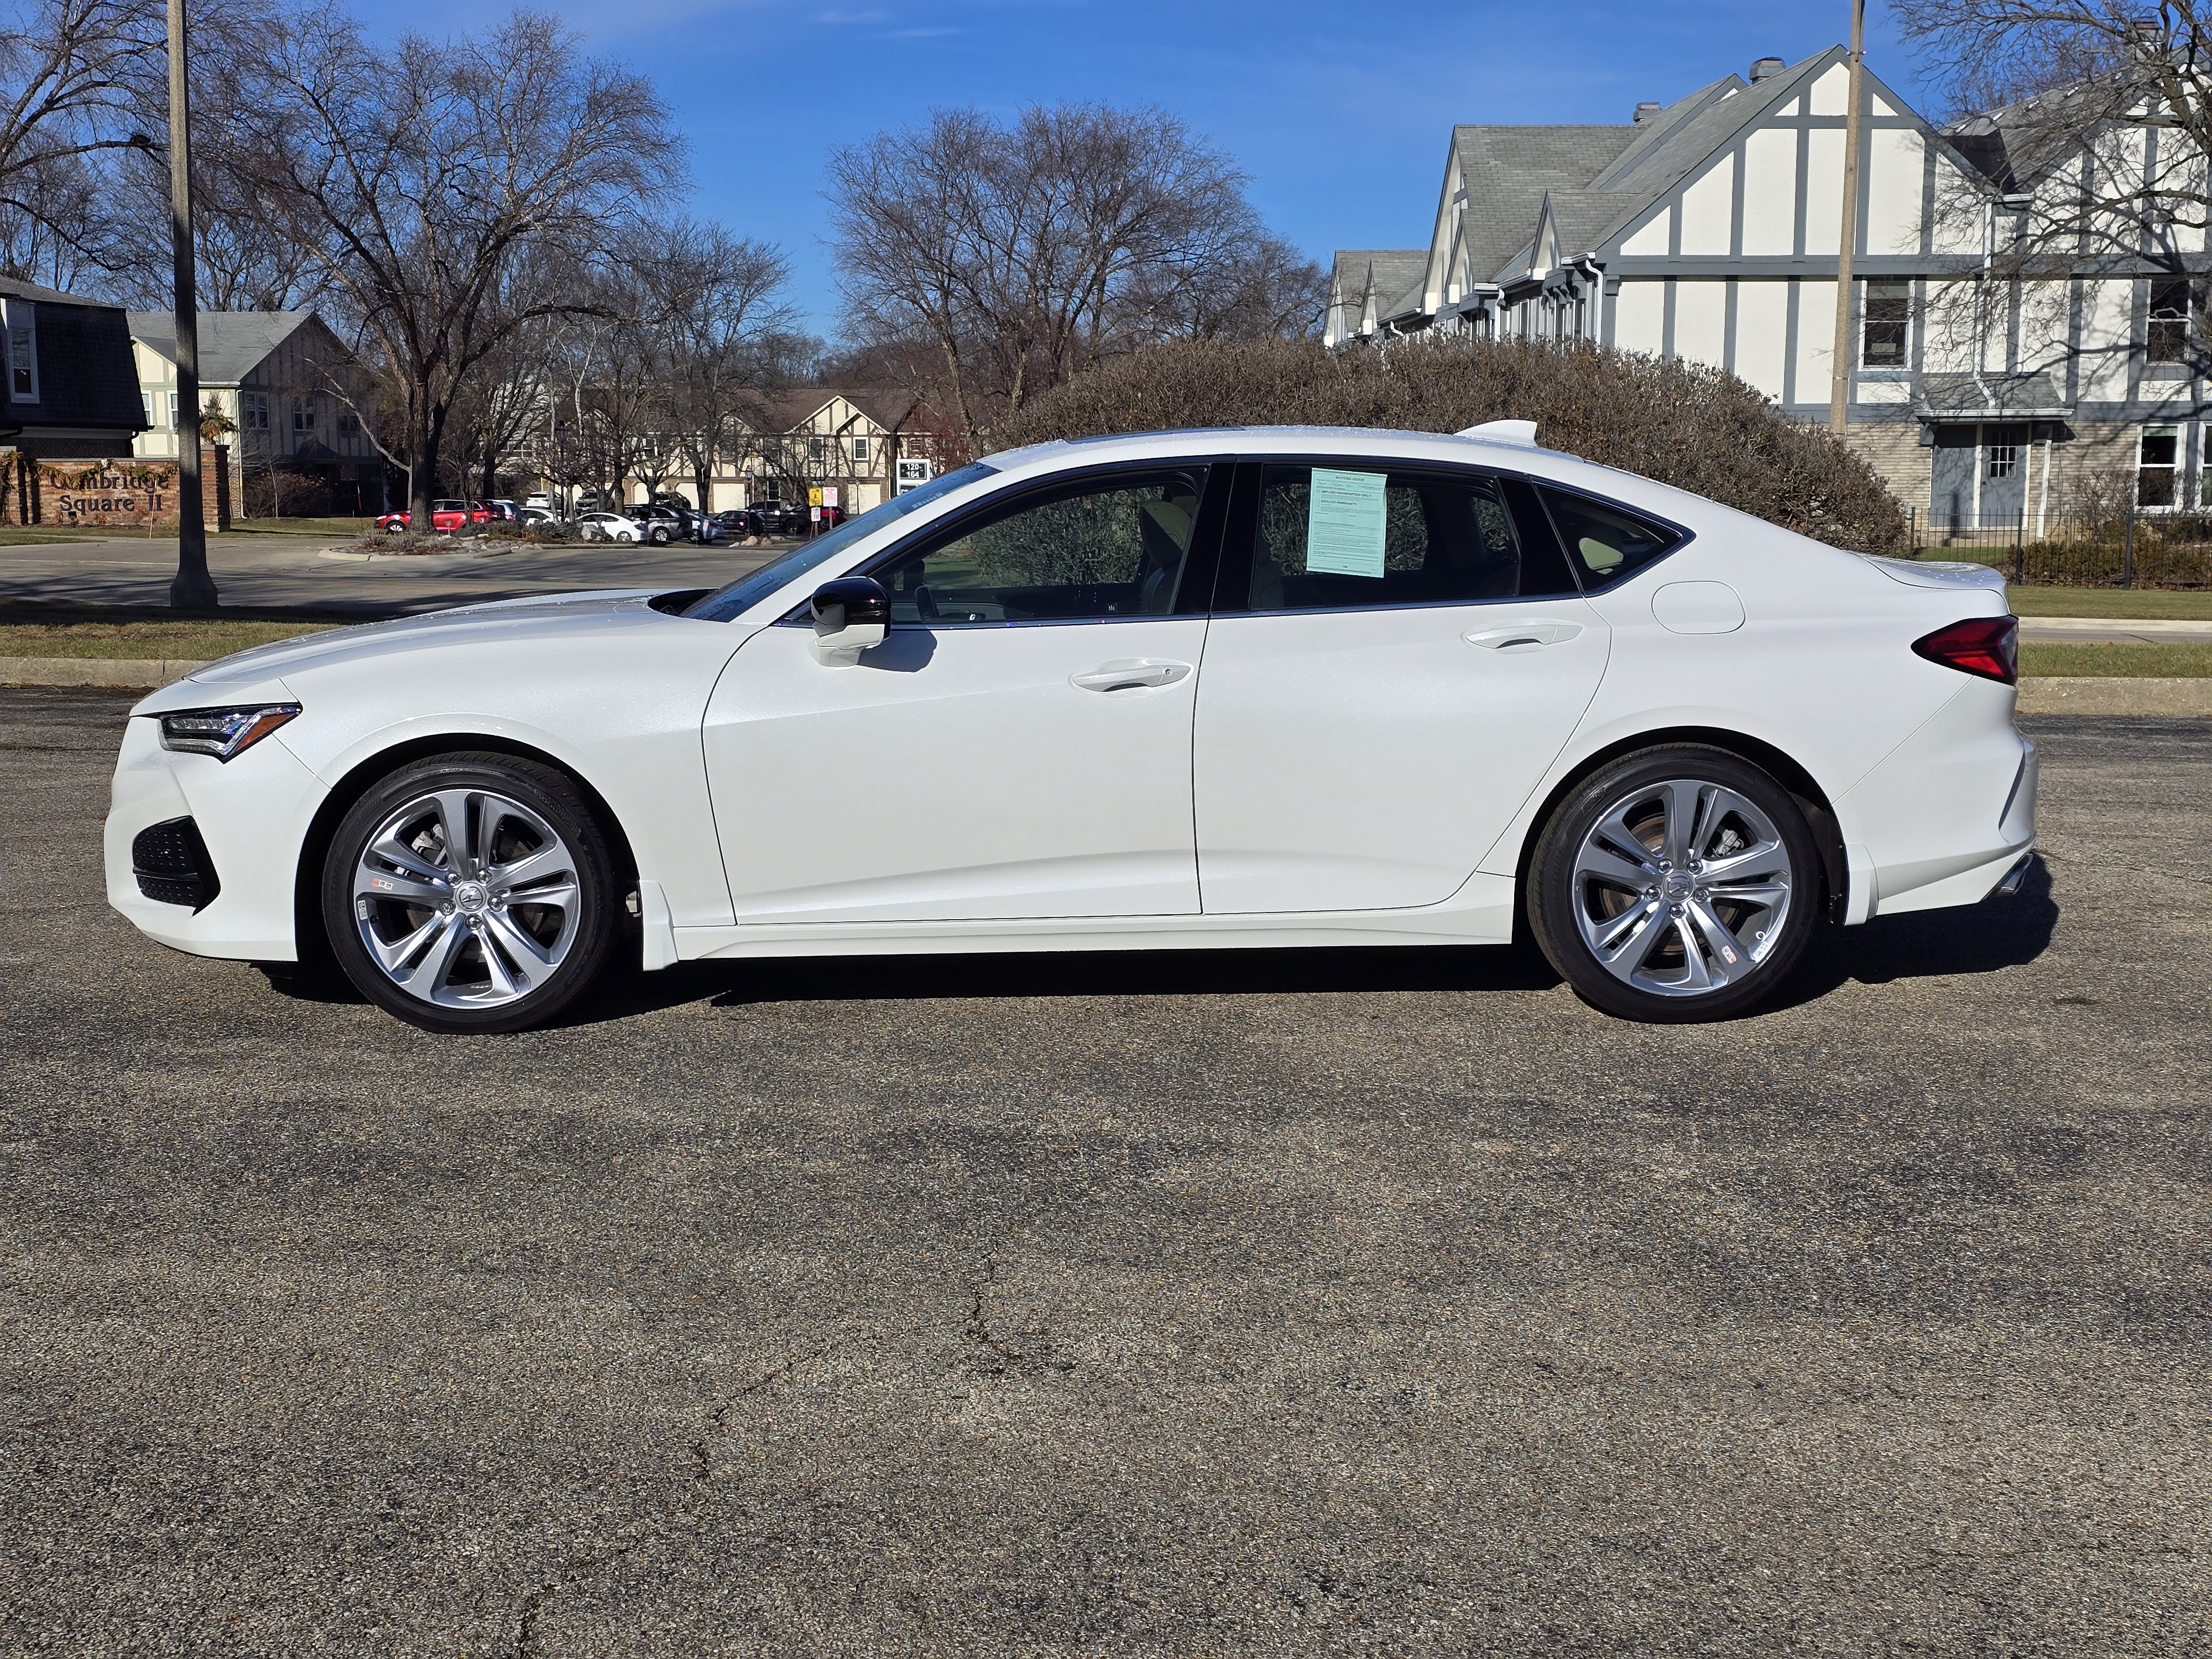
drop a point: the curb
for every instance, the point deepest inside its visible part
(2057, 694)
(126, 672)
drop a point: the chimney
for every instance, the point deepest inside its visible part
(1763, 67)
(1646, 110)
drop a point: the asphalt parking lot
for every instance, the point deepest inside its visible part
(1360, 1302)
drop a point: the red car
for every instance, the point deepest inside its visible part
(446, 517)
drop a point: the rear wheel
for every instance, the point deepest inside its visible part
(1680, 884)
(471, 892)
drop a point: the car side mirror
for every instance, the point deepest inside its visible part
(850, 614)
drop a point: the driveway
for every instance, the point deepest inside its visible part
(1335, 1303)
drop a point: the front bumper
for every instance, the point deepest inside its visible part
(251, 813)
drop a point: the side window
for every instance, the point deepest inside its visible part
(1607, 542)
(1105, 548)
(1337, 539)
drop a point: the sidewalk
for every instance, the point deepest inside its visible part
(2111, 631)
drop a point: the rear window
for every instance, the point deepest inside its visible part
(1604, 541)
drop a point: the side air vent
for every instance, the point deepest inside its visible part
(172, 865)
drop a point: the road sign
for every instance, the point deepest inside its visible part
(814, 498)
(829, 493)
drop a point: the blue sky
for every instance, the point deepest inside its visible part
(1339, 113)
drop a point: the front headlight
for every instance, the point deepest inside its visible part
(223, 733)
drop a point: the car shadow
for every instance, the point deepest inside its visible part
(1983, 939)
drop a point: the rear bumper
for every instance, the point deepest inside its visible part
(1947, 816)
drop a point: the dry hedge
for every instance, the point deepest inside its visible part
(1698, 429)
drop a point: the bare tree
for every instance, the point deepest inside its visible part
(421, 176)
(724, 335)
(2090, 124)
(1025, 253)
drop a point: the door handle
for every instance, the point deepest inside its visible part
(1538, 633)
(1134, 675)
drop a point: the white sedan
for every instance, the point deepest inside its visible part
(610, 527)
(1267, 687)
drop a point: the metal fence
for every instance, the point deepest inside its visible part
(2123, 549)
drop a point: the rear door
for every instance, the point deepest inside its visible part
(1396, 656)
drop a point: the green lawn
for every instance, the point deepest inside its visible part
(32, 535)
(2145, 603)
(2147, 662)
(142, 641)
(300, 526)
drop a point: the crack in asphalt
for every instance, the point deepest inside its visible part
(580, 1565)
(979, 1331)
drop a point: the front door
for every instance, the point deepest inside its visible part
(1019, 746)
(1398, 658)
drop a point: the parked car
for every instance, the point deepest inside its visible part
(610, 527)
(446, 517)
(662, 524)
(778, 520)
(1447, 682)
(740, 521)
(539, 500)
(539, 518)
(504, 511)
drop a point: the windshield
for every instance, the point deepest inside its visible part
(747, 592)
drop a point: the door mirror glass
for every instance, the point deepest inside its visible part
(850, 614)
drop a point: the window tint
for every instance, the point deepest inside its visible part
(1332, 538)
(1108, 547)
(1607, 542)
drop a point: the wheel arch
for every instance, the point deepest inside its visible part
(1777, 763)
(313, 943)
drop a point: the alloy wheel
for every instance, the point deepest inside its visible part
(1681, 888)
(466, 898)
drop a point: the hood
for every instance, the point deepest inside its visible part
(263, 670)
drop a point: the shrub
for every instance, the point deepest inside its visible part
(1698, 429)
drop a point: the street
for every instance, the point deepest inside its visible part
(1348, 1302)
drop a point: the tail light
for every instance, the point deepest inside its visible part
(1987, 646)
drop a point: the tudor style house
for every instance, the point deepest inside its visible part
(67, 364)
(811, 438)
(1708, 230)
(286, 383)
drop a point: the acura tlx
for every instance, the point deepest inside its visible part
(1264, 687)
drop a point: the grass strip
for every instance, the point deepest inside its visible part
(2145, 603)
(139, 641)
(2129, 662)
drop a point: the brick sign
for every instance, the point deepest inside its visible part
(120, 495)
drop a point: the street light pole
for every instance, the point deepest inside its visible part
(193, 588)
(1839, 373)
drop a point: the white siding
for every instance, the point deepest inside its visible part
(1701, 321)
(1816, 339)
(1832, 93)
(1948, 342)
(2043, 331)
(1896, 163)
(2107, 329)
(1770, 191)
(1824, 189)
(1708, 210)
(1640, 316)
(1652, 238)
(1762, 334)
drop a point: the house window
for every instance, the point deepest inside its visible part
(1888, 316)
(818, 450)
(22, 352)
(172, 411)
(152, 418)
(2003, 459)
(253, 410)
(860, 452)
(303, 418)
(2173, 308)
(2156, 464)
(348, 423)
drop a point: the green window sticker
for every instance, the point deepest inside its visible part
(1345, 524)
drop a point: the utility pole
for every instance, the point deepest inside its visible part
(193, 588)
(1839, 374)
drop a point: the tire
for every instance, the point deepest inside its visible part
(1678, 884)
(659, 537)
(395, 528)
(450, 951)
(624, 536)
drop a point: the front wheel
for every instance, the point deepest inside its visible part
(1680, 884)
(471, 892)
(661, 539)
(395, 528)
